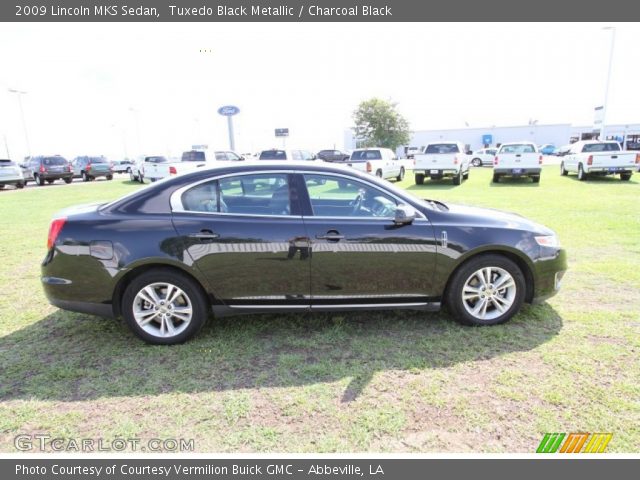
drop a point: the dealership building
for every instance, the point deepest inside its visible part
(556, 134)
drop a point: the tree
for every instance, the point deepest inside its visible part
(378, 124)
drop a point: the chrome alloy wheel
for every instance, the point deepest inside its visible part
(162, 310)
(489, 293)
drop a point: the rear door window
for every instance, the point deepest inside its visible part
(366, 155)
(441, 148)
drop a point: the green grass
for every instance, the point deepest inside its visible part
(368, 381)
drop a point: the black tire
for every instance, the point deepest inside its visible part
(199, 304)
(563, 172)
(453, 296)
(419, 178)
(85, 177)
(132, 177)
(39, 180)
(466, 175)
(536, 178)
(496, 178)
(109, 177)
(457, 180)
(141, 178)
(68, 180)
(625, 177)
(50, 181)
(581, 175)
(476, 162)
(128, 170)
(379, 173)
(19, 185)
(400, 177)
(2, 187)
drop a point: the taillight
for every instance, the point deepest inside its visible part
(638, 158)
(540, 159)
(414, 161)
(88, 167)
(111, 167)
(590, 160)
(369, 168)
(455, 160)
(495, 160)
(69, 169)
(172, 171)
(54, 231)
(42, 169)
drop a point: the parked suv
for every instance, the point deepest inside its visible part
(90, 168)
(48, 169)
(10, 174)
(333, 155)
(276, 154)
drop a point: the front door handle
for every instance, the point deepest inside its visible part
(331, 236)
(205, 235)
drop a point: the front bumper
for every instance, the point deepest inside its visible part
(549, 270)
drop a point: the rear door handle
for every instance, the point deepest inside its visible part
(205, 235)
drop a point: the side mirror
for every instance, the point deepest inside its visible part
(405, 214)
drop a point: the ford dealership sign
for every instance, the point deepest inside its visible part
(228, 110)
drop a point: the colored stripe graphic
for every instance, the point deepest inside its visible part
(574, 443)
(598, 442)
(550, 442)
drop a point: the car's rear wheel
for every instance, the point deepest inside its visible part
(164, 307)
(486, 290)
(536, 178)
(39, 180)
(457, 180)
(476, 162)
(400, 176)
(466, 175)
(563, 170)
(625, 177)
(141, 177)
(581, 175)
(132, 177)
(50, 181)
(109, 177)
(379, 173)
(85, 177)
(496, 178)
(20, 185)
(419, 178)
(68, 180)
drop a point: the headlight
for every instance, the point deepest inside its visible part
(548, 241)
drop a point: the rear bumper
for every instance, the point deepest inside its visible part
(609, 170)
(517, 171)
(437, 172)
(57, 291)
(11, 180)
(56, 176)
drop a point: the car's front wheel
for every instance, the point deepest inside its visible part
(400, 176)
(563, 171)
(486, 290)
(164, 307)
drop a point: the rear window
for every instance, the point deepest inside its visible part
(518, 148)
(366, 155)
(6, 163)
(155, 159)
(54, 161)
(443, 148)
(97, 160)
(193, 156)
(601, 147)
(273, 155)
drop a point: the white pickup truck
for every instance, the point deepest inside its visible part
(592, 157)
(381, 162)
(517, 159)
(190, 161)
(443, 159)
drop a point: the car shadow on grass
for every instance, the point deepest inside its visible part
(604, 179)
(519, 181)
(444, 184)
(73, 357)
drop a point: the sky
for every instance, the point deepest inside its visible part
(130, 89)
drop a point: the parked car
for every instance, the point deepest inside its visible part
(413, 151)
(166, 256)
(122, 166)
(592, 157)
(518, 159)
(189, 161)
(332, 155)
(89, 168)
(10, 174)
(547, 149)
(43, 168)
(381, 162)
(278, 154)
(483, 157)
(138, 169)
(440, 160)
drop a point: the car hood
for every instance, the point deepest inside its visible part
(490, 217)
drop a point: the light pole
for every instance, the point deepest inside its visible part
(606, 89)
(24, 123)
(137, 120)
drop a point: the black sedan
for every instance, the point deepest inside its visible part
(285, 236)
